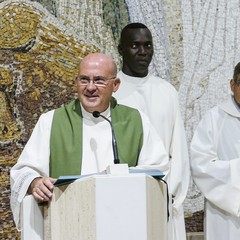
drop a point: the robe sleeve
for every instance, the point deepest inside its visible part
(179, 175)
(33, 162)
(153, 153)
(218, 179)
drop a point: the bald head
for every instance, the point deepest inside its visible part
(97, 81)
(99, 60)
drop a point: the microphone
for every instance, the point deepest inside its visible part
(97, 114)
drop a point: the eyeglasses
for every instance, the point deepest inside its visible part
(97, 81)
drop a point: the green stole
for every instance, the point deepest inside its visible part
(66, 137)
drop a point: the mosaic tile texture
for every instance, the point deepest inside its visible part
(196, 48)
(211, 50)
(38, 64)
(88, 20)
(151, 13)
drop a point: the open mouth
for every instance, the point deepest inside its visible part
(91, 97)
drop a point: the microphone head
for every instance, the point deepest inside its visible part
(96, 114)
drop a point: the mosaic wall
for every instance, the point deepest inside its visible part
(38, 61)
(41, 43)
(210, 51)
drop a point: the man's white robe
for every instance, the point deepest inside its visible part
(96, 155)
(158, 99)
(215, 164)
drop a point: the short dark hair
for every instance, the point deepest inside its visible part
(236, 71)
(133, 25)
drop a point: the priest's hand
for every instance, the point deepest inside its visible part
(41, 188)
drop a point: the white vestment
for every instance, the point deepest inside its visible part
(96, 156)
(215, 164)
(158, 99)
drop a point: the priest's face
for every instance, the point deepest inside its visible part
(136, 49)
(96, 81)
(235, 87)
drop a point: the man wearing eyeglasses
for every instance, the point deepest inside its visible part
(215, 165)
(71, 141)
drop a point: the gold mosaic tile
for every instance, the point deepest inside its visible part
(39, 54)
(38, 64)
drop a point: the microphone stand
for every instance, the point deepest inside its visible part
(116, 160)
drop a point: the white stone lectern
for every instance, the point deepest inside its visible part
(108, 207)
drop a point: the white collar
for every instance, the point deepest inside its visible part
(133, 80)
(89, 116)
(230, 107)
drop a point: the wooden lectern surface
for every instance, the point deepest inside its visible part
(107, 207)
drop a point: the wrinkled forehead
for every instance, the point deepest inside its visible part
(97, 67)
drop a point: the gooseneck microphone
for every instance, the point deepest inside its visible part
(97, 114)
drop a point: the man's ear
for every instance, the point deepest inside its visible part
(232, 84)
(116, 83)
(120, 49)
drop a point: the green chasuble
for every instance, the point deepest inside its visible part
(66, 137)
